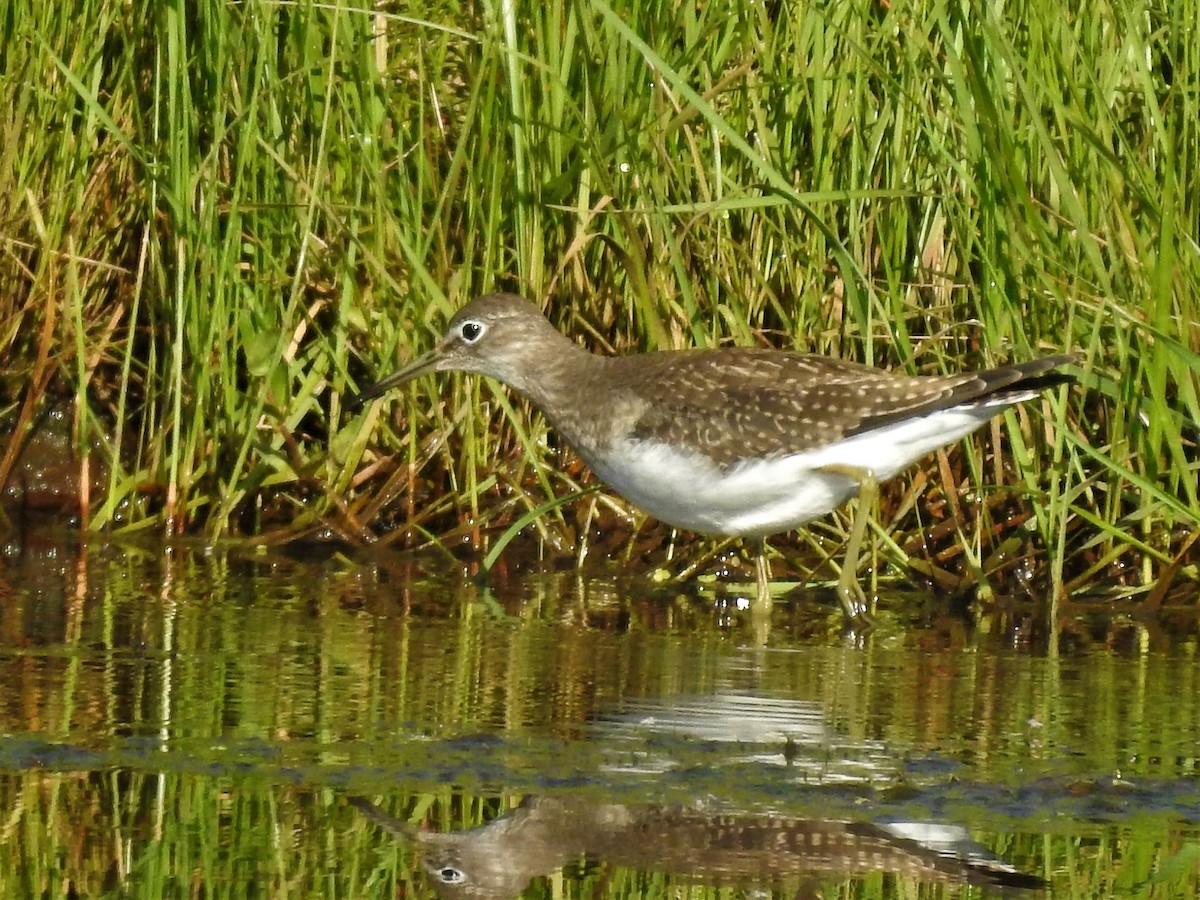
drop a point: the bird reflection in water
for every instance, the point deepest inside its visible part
(546, 833)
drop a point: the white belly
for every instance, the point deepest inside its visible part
(761, 497)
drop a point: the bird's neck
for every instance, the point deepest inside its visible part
(565, 382)
(557, 374)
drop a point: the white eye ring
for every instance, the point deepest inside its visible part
(471, 331)
(451, 875)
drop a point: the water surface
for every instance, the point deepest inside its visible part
(193, 722)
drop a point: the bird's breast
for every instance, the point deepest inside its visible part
(688, 490)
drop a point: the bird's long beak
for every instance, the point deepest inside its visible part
(423, 364)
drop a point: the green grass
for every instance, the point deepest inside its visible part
(218, 218)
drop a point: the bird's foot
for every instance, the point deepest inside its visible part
(854, 602)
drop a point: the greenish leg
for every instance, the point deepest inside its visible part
(763, 571)
(849, 591)
(760, 610)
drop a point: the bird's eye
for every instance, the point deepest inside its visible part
(451, 875)
(471, 331)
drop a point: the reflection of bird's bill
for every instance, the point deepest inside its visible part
(382, 819)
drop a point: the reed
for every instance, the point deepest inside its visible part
(221, 217)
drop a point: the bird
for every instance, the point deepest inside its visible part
(736, 441)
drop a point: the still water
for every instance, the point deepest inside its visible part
(225, 723)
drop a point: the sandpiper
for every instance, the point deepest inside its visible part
(736, 441)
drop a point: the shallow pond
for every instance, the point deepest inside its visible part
(186, 723)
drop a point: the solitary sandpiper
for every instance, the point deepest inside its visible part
(737, 441)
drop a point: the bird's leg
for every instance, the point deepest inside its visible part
(849, 591)
(760, 611)
(763, 571)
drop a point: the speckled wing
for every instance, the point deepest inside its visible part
(743, 403)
